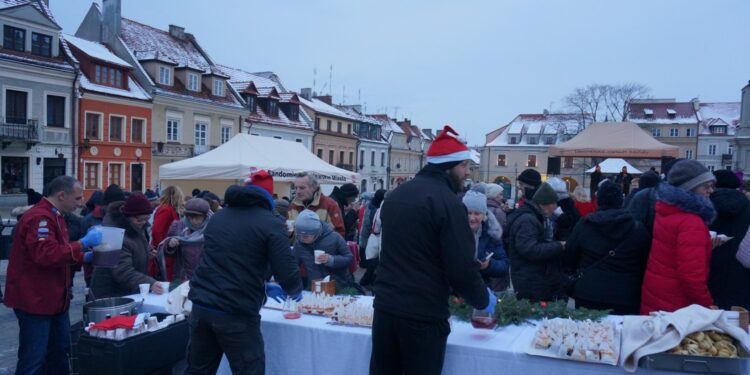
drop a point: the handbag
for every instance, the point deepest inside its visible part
(572, 280)
(373, 241)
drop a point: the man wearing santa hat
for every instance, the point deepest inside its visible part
(427, 249)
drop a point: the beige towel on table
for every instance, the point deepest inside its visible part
(661, 331)
(178, 302)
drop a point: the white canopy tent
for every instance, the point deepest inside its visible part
(614, 166)
(233, 161)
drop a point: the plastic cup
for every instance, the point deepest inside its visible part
(165, 285)
(290, 225)
(144, 288)
(318, 253)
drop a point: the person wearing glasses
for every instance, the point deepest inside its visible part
(132, 269)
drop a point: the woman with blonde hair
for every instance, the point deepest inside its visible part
(583, 202)
(169, 210)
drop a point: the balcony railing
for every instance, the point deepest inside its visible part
(348, 167)
(171, 150)
(18, 129)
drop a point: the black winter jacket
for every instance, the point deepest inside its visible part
(427, 248)
(728, 280)
(535, 264)
(241, 241)
(609, 279)
(565, 223)
(642, 205)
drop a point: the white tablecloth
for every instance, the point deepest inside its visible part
(311, 346)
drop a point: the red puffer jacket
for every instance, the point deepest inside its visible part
(677, 271)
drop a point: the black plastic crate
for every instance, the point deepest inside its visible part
(149, 353)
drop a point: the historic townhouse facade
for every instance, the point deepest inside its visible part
(717, 126)
(114, 127)
(669, 121)
(371, 148)
(37, 100)
(524, 143)
(194, 109)
(742, 137)
(272, 110)
(334, 141)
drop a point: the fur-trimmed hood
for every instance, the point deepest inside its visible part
(492, 227)
(687, 201)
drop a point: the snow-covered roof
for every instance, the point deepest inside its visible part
(719, 114)
(661, 112)
(541, 126)
(320, 106)
(96, 50)
(239, 78)
(149, 43)
(134, 91)
(389, 126)
(39, 5)
(648, 111)
(671, 111)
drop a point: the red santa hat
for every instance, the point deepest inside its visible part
(447, 148)
(261, 179)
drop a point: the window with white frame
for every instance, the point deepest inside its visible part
(712, 149)
(91, 178)
(656, 132)
(115, 174)
(218, 87)
(93, 124)
(192, 82)
(226, 134)
(730, 149)
(501, 161)
(674, 132)
(116, 131)
(372, 158)
(173, 129)
(165, 75)
(382, 159)
(711, 168)
(690, 132)
(688, 154)
(201, 133)
(137, 130)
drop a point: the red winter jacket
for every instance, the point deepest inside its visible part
(677, 271)
(39, 267)
(163, 218)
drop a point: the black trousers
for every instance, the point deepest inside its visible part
(213, 334)
(405, 346)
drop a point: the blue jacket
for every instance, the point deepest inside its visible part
(490, 242)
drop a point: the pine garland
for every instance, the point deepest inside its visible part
(511, 310)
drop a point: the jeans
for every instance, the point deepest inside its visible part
(43, 343)
(214, 333)
(406, 346)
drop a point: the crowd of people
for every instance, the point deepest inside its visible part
(629, 245)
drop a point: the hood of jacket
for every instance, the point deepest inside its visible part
(492, 227)
(613, 224)
(687, 201)
(729, 202)
(115, 218)
(248, 196)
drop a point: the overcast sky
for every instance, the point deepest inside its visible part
(473, 66)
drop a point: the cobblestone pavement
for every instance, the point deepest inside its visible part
(9, 324)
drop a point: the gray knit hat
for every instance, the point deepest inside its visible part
(689, 174)
(475, 201)
(545, 195)
(493, 190)
(307, 222)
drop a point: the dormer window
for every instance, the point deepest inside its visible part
(41, 45)
(14, 38)
(648, 112)
(192, 82)
(165, 76)
(671, 113)
(293, 112)
(250, 99)
(532, 140)
(718, 130)
(549, 140)
(513, 140)
(218, 87)
(104, 75)
(273, 108)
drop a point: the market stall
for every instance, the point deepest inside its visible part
(614, 140)
(233, 161)
(614, 166)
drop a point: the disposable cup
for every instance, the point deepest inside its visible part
(318, 253)
(144, 288)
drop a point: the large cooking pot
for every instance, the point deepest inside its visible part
(101, 309)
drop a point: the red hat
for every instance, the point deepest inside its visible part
(261, 179)
(447, 148)
(136, 205)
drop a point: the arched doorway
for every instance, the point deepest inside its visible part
(571, 183)
(505, 183)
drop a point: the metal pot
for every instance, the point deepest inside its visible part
(101, 309)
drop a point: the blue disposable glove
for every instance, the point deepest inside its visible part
(297, 297)
(92, 238)
(275, 292)
(492, 303)
(88, 257)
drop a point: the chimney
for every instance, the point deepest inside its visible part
(696, 104)
(177, 32)
(306, 93)
(328, 99)
(111, 20)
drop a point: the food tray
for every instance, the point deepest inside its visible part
(532, 350)
(699, 364)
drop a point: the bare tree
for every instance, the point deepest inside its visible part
(603, 102)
